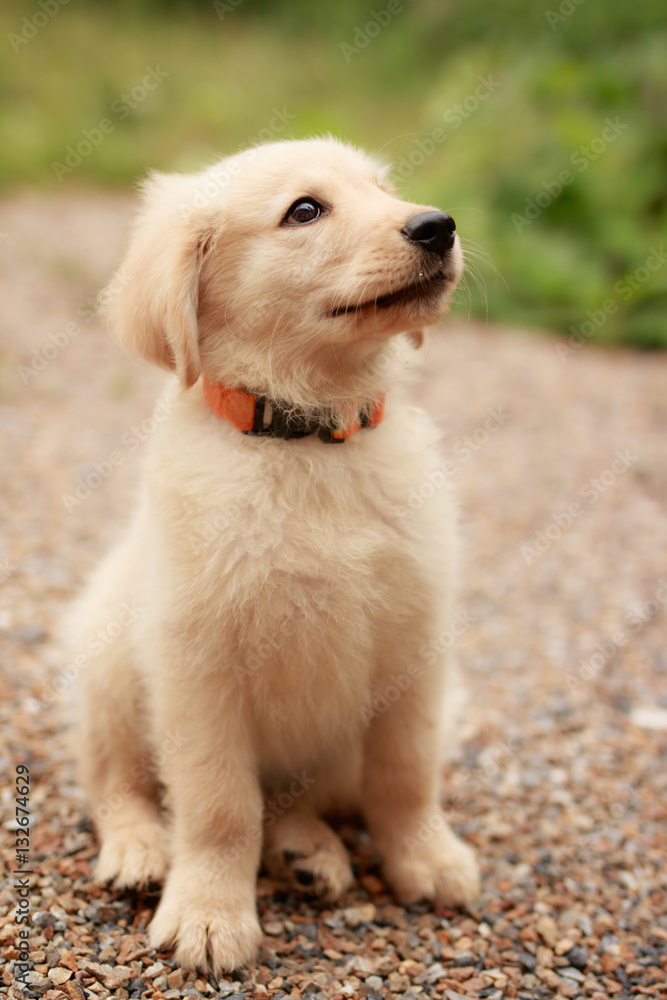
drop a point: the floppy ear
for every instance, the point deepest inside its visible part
(151, 303)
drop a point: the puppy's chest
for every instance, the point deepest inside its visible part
(300, 520)
(310, 564)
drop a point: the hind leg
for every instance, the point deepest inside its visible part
(303, 848)
(306, 851)
(115, 760)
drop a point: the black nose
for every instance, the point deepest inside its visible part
(433, 231)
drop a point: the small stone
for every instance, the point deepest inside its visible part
(68, 960)
(374, 982)
(521, 873)
(609, 962)
(569, 988)
(476, 983)
(527, 961)
(435, 972)
(59, 976)
(563, 945)
(153, 970)
(545, 957)
(397, 982)
(464, 958)
(355, 915)
(577, 956)
(547, 929)
(273, 927)
(571, 973)
(118, 976)
(548, 976)
(498, 977)
(75, 990)
(175, 979)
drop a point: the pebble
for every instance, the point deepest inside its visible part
(175, 979)
(151, 971)
(547, 929)
(527, 961)
(119, 975)
(463, 958)
(59, 976)
(355, 915)
(577, 956)
(571, 973)
(398, 982)
(563, 945)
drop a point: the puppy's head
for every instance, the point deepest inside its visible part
(285, 269)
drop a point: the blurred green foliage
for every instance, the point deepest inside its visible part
(498, 113)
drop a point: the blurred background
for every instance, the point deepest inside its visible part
(539, 124)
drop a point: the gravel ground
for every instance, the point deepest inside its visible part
(561, 466)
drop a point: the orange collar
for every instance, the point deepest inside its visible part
(254, 414)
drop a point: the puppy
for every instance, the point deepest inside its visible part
(278, 666)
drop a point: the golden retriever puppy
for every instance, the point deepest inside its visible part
(280, 662)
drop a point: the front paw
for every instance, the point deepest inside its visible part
(133, 855)
(435, 865)
(213, 928)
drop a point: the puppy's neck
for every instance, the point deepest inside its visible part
(320, 382)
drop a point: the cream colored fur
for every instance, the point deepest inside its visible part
(282, 590)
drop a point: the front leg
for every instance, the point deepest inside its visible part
(208, 908)
(422, 857)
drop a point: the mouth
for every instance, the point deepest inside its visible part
(423, 291)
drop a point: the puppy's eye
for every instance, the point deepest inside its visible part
(302, 211)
